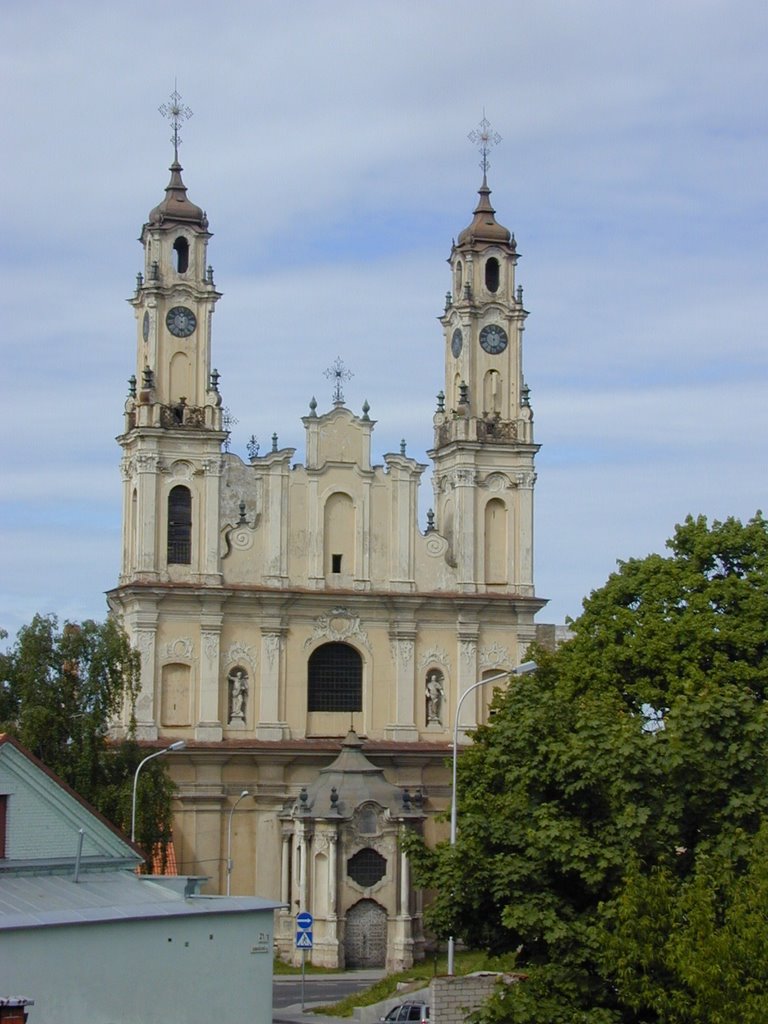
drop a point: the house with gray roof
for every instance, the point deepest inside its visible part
(85, 937)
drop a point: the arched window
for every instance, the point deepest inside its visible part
(492, 274)
(492, 392)
(181, 253)
(339, 535)
(335, 679)
(495, 541)
(459, 277)
(180, 526)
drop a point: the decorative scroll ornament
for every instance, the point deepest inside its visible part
(402, 651)
(272, 646)
(436, 545)
(435, 655)
(240, 652)
(337, 625)
(181, 470)
(468, 652)
(181, 648)
(497, 482)
(495, 656)
(211, 646)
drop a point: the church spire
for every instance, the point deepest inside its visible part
(176, 208)
(484, 227)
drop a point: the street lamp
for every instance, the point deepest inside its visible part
(229, 840)
(178, 745)
(521, 670)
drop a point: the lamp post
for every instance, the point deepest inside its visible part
(521, 670)
(178, 745)
(229, 840)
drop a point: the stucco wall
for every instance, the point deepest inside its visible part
(189, 970)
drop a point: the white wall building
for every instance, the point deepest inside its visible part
(87, 939)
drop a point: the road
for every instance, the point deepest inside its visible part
(317, 989)
(322, 989)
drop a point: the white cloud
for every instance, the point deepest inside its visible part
(328, 145)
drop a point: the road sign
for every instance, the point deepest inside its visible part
(304, 940)
(304, 920)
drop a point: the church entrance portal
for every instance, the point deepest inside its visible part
(365, 942)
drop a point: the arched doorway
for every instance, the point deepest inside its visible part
(365, 937)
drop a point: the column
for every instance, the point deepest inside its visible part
(285, 870)
(467, 661)
(269, 726)
(402, 645)
(209, 721)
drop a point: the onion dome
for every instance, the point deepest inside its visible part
(176, 207)
(484, 228)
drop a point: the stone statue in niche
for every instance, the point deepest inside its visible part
(238, 694)
(435, 694)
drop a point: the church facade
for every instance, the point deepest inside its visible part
(298, 626)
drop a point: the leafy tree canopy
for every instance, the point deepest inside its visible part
(59, 689)
(628, 772)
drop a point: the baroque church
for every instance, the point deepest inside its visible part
(298, 626)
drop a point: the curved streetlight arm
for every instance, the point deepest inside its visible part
(178, 745)
(521, 670)
(230, 863)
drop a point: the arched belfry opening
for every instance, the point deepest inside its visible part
(492, 274)
(180, 526)
(181, 255)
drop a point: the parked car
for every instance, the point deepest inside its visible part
(416, 1013)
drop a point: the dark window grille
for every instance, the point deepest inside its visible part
(335, 679)
(367, 867)
(180, 526)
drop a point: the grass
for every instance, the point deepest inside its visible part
(416, 977)
(281, 967)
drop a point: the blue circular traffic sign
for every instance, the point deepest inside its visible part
(304, 920)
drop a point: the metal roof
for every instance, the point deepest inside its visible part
(34, 901)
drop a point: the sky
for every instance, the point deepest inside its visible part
(328, 145)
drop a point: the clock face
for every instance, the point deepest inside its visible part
(145, 326)
(456, 342)
(181, 321)
(493, 339)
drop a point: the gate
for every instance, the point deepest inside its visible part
(365, 936)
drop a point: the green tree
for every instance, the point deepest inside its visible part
(695, 949)
(639, 746)
(59, 689)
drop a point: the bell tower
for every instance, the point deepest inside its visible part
(483, 446)
(173, 419)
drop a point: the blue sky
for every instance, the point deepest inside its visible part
(329, 148)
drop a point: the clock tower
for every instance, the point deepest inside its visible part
(172, 437)
(483, 446)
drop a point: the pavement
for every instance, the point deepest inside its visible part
(294, 1015)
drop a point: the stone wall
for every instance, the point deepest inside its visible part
(452, 999)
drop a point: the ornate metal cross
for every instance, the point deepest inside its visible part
(176, 112)
(338, 372)
(485, 138)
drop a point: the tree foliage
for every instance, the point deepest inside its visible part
(628, 774)
(60, 687)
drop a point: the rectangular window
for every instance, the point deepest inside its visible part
(335, 563)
